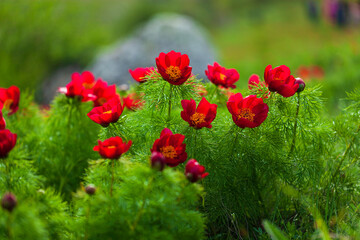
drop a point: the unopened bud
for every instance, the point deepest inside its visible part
(90, 189)
(8, 202)
(301, 84)
(157, 161)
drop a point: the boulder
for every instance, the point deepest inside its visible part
(163, 33)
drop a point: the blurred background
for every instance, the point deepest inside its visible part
(43, 42)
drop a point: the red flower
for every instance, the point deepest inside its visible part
(198, 117)
(219, 75)
(9, 99)
(171, 146)
(2, 121)
(78, 87)
(255, 83)
(174, 67)
(132, 102)
(107, 113)
(7, 142)
(157, 161)
(139, 74)
(280, 80)
(194, 171)
(87, 79)
(103, 92)
(112, 148)
(247, 112)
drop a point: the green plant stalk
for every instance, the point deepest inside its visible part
(112, 177)
(118, 131)
(170, 96)
(141, 211)
(8, 173)
(86, 236)
(295, 126)
(344, 155)
(8, 227)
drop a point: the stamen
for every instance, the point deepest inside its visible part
(197, 118)
(168, 151)
(174, 72)
(247, 114)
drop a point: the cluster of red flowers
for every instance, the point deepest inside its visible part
(9, 101)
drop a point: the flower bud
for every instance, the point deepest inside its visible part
(301, 84)
(90, 189)
(157, 161)
(8, 202)
(194, 171)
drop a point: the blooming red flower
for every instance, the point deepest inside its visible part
(107, 113)
(2, 121)
(247, 112)
(194, 171)
(139, 74)
(9, 99)
(112, 148)
(133, 102)
(280, 80)
(174, 67)
(103, 92)
(79, 87)
(219, 75)
(198, 117)
(171, 146)
(254, 82)
(7, 142)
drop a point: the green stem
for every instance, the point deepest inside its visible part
(112, 177)
(8, 227)
(8, 173)
(141, 211)
(118, 131)
(295, 126)
(170, 96)
(344, 156)
(86, 235)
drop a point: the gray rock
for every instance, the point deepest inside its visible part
(163, 33)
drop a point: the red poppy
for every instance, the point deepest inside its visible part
(107, 113)
(132, 102)
(87, 79)
(7, 142)
(198, 117)
(194, 171)
(2, 121)
(247, 112)
(174, 67)
(139, 74)
(78, 87)
(255, 83)
(219, 75)
(280, 80)
(9, 99)
(171, 146)
(112, 148)
(103, 92)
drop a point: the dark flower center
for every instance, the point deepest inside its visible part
(247, 114)
(168, 152)
(174, 72)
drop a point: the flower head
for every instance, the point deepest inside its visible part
(9, 99)
(103, 92)
(171, 146)
(107, 113)
(133, 102)
(174, 67)
(139, 74)
(112, 148)
(7, 142)
(301, 84)
(198, 117)
(280, 80)
(90, 189)
(79, 87)
(247, 112)
(194, 171)
(2, 121)
(8, 202)
(219, 75)
(157, 161)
